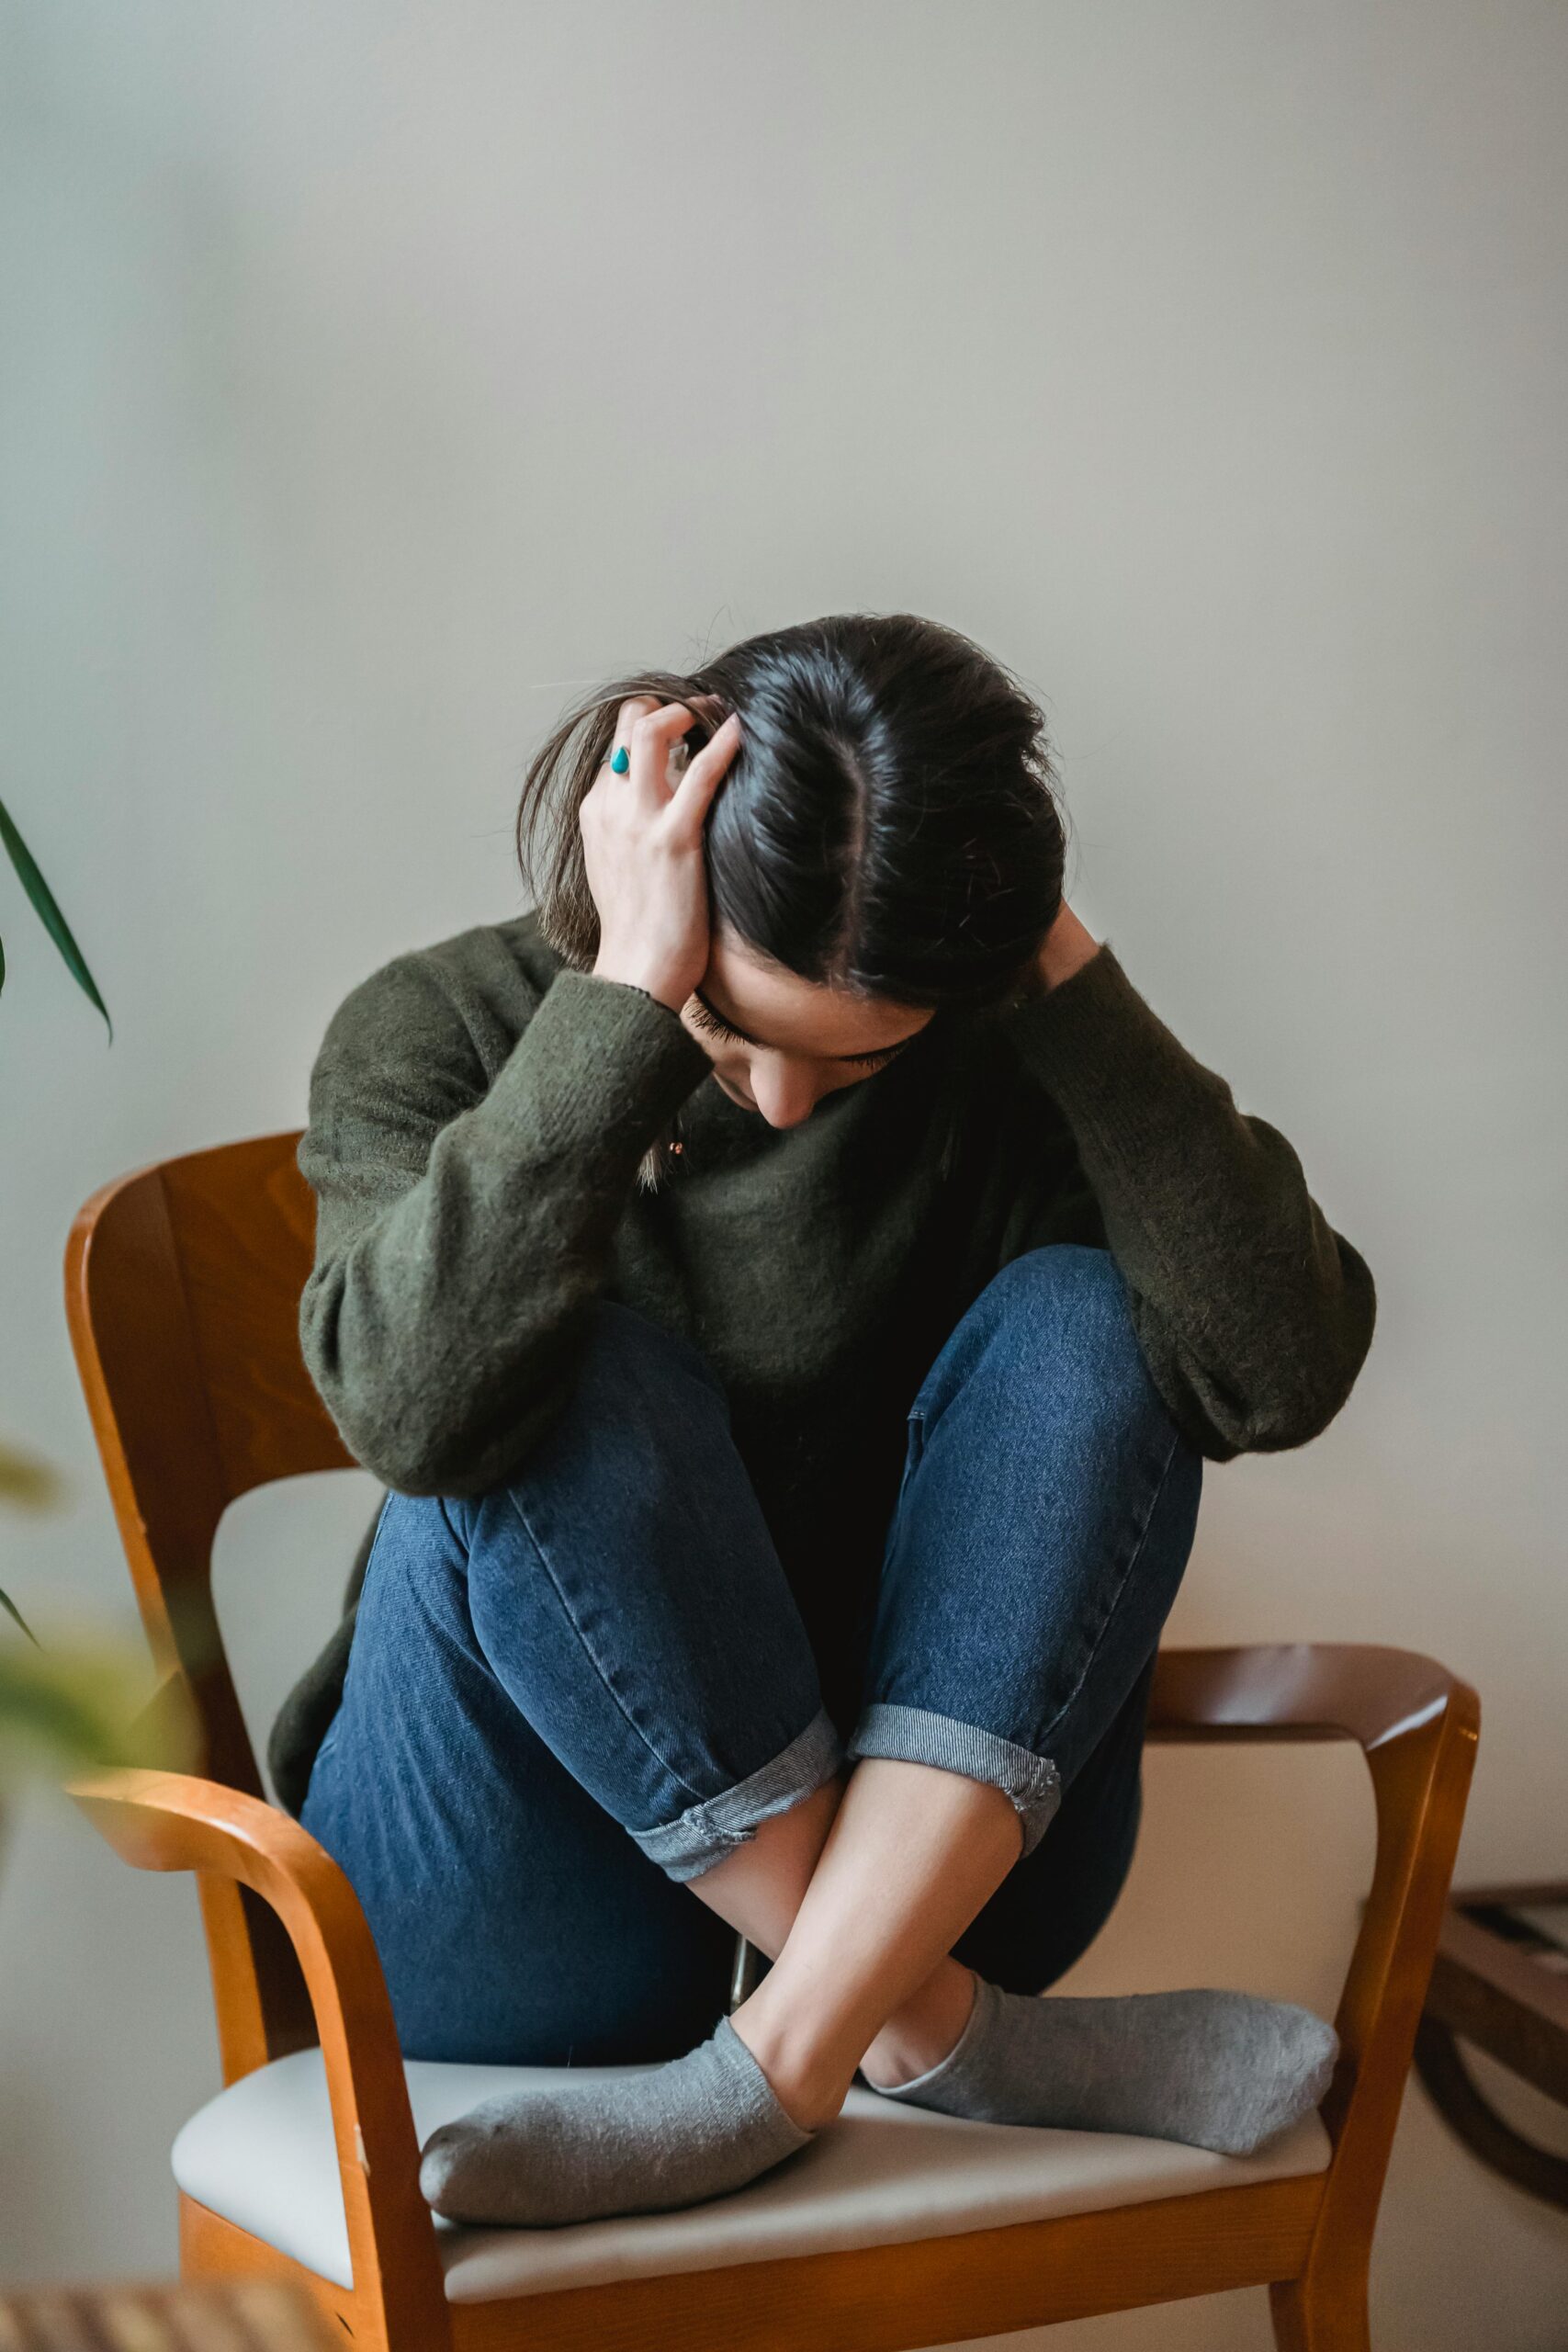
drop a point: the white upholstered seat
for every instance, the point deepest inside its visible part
(261, 2155)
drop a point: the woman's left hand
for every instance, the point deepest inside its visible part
(1065, 949)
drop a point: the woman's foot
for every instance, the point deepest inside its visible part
(697, 2128)
(1218, 2070)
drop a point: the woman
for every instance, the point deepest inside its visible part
(788, 1285)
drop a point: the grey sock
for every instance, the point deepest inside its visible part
(1219, 2069)
(703, 2125)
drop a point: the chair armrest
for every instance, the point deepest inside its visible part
(1301, 1690)
(167, 1821)
(1418, 1726)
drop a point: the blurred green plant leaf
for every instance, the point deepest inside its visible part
(9, 1606)
(49, 914)
(84, 1704)
(27, 1482)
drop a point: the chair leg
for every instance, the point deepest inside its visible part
(1321, 2312)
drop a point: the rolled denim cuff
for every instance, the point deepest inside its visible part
(914, 1736)
(705, 1833)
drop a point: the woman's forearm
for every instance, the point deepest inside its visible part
(462, 1234)
(1255, 1314)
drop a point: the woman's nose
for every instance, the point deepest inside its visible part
(784, 1095)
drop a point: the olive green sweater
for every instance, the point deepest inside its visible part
(478, 1115)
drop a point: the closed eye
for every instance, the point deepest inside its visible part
(703, 1015)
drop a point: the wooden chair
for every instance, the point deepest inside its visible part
(182, 1285)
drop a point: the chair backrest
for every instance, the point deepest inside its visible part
(182, 1293)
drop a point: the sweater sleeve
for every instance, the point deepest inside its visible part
(1254, 1314)
(463, 1231)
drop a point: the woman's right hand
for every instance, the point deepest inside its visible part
(642, 847)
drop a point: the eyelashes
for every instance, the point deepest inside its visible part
(713, 1024)
(705, 1019)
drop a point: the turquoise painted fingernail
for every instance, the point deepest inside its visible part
(621, 761)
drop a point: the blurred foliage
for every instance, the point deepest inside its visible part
(42, 900)
(83, 1699)
(28, 1483)
(84, 1702)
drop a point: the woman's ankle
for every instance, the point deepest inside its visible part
(924, 2031)
(808, 2077)
(810, 2066)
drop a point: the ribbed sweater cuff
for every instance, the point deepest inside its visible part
(600, 1067)
(1108, 1059)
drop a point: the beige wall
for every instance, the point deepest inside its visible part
(373, 374)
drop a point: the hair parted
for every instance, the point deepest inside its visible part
(890, 824)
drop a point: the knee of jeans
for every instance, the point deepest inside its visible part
(624, 1345)
(632, 1384)
(416, 1540)
(1064, 1307)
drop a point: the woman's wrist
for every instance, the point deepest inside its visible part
(657, 985)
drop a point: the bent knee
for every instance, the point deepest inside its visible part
(1061, 1316)
(636, 1403)
(1073, 1295)
(623, 1343)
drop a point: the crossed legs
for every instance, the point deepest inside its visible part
(616, 1624)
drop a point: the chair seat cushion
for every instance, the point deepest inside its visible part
(261, 2155)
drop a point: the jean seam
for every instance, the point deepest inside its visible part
(1134, 1557)
(592, 1656)
(1137, 1553)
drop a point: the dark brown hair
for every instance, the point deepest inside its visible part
(890, 824)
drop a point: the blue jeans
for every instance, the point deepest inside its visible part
(570, 1694)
